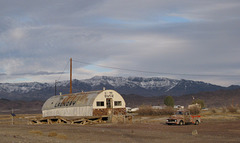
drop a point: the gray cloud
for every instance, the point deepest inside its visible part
(3, 74)
(37, 73)
(195, 37)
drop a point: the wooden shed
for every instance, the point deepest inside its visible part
(94, 103)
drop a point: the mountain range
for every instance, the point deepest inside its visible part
(154, 86)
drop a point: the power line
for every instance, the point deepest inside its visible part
(154, 72)
(63, 71)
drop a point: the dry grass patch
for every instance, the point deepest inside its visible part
(221, 114)
(61, 136)
(36, 132)
(206, 113)
(52, 134)
(219, 118)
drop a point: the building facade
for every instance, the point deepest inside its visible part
(94, 103)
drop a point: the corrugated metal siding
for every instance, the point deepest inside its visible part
(80, 100)
(69, 111)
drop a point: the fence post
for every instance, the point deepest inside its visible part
(12, 114)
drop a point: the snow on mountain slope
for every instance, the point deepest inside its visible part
(157, 83)
(147, 83)
(154, 86)
(22, 87)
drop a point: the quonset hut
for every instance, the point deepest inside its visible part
(94, 103)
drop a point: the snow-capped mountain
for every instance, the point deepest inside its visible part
(154, 86)
(22, 87)
(147, 83)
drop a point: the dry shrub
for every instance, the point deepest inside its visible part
(36, 132)
(213, 110)
(232, 109)
(167, 111)
(145, 110)
(195, 110)
(52, 134)
(148, 110)
(224, 109)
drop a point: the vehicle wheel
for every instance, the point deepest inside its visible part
(181, 123)
(196, 122)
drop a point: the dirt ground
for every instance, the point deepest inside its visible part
(140, 131)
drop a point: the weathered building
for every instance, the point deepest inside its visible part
(94, 103)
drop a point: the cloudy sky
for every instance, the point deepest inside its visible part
(180, 39)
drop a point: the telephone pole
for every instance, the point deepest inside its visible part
(55, 87)
(70, 75)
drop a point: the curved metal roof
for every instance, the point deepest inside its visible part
(71, 100)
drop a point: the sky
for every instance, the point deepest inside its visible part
(178, 39)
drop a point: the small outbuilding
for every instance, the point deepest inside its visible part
(83, 104)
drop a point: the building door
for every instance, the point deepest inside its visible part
(109, 103)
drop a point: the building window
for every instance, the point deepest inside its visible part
(100, 103)
(117, 103)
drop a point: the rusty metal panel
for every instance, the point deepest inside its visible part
(71, 100)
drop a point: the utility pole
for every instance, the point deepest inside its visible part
(55, 87)
(70, 75)
(12, 116)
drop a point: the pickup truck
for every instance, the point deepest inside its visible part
(183, 117)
